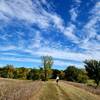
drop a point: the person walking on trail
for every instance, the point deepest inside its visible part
(57, 79)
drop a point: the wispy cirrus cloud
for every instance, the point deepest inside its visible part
(36, 29)
(70, 33)
(92, 25)
(31, 12)
(91, 28)
(74, 14)
(78, 1)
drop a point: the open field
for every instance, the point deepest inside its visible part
(36, 90)
(11, 89)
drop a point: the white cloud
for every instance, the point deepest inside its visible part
(34, 13)
(60, 54)
(78, 1)
(98, 37)
(70, 33)
(8, 47)
(20, 59)
(74, 14)
(66, 64)
(66, 56)
(44, 1)
(91, 27)
(36, 42)
(31, 12)
(5, 36)
(23, 10)
(54, 53)
(74, 11)
(90, 32)
(60, 63)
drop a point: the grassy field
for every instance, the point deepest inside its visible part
(11, 89)
(90, 86)
(36, 90)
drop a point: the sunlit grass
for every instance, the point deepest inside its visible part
(18, 89)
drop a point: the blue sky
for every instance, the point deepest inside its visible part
(67, 30)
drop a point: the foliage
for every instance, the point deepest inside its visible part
(76, 75)
(71, 73)
(93, 70)
(7, 71)
(47, 64)
(44, 73)
(82, 77)
(62, 75)
(33, 74)
(56, 72)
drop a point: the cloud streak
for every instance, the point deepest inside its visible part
(35, 28)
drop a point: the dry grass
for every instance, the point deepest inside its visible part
(18, 89)
(85, 87)
(77, 93)
(64, 91)
(49, 92)
(11, 89)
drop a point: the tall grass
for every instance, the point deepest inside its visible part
(89, 86)
(18, 89)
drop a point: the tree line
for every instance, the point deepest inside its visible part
(71, 73)
(9, 71)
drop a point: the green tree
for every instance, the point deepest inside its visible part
(74, 74)
(7, 71)
(21, 73)
(41, 74)
(93, 70)
(71, 73)
(82, 76)
(34, 74)
(47, 64)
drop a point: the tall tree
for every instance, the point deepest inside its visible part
(93, 70)
(47, 64)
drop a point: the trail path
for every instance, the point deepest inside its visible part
(63, 91)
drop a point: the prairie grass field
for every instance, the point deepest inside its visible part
(11, 89)
(88, 86)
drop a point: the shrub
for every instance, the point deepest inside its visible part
(76, 75)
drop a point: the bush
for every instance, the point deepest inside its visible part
(76, 75)
(82, 78)
(71, 73)
(33, 74)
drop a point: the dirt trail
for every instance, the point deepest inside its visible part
(63, 91)
(77, 93)
(52, 91)
(49, 92)
(62, 94)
